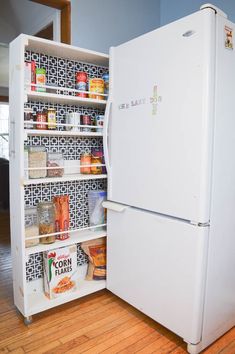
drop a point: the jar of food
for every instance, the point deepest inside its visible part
(51, 119)
(73, 119)
(46, 219)
(28, 118)
(96, 85)
(31, 227)
(85, 160)
(41, 79)
(99, 123)
(55, 159)
(41, 118)
(96, 158)
(81, 83)
(86, 120)
(37, 158)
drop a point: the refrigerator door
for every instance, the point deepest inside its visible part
(160, 122)
(158, 265)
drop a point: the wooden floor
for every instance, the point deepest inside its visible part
(98, 323)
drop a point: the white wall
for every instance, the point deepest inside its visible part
(99, 24)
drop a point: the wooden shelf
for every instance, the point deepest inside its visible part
(75, 237)
(65, 178)
(38, 302)
(65, 99)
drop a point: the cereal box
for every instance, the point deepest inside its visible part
(60, 271)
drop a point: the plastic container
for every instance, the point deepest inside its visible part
(31, 227)
(97, 213)
(46, 219)
(37, 158)
(55, 159)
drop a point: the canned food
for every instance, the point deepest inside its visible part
(40, 79)
(96, 85)
(85, 159)
(105, 77)
(86, 120)
(51, 118)
(81, 83)
(28, 118)
(99, 123)
(41, 118)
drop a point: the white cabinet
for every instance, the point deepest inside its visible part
(61, 63)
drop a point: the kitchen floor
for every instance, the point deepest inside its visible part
(98, 323)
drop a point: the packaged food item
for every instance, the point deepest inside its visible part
(37, 158)
(28, 118)
(46, 219)
(96, 251)
(99, 123)
(96, 210)
(41, 119)
(105, 77)
(31, 227)
(73, 118)
(51, 119)
(29, 75)
(96, 158)
(96, 85)
(85, 160)
(33, 75)
(71, 167)
(55, 159)
(60, 271)
(61, 216)
(86, 120)
(41, 79)
(81, 83)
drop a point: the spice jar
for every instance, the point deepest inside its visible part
(37, 158)
(28, 118)
(41, 118)
(96, 158)
(51, 119)
(86, 120)
(85, 160)
(46, 218)
(31, 227)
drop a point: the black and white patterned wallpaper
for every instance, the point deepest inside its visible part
(62, 73)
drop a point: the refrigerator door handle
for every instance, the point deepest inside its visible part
(115, 206)
(105, 134)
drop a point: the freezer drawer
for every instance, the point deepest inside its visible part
(158, 265)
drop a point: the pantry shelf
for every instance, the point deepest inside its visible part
(38, 302)
(38, 132)
(65, 99)
(65, 178)
(75, 237)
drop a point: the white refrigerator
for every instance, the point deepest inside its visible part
(169, 146)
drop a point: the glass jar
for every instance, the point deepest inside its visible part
(96, 158)
(55, 159)
(28, 118)
(31, 227)
(85, 161)
(46, 219)
(41, 119)
(37, 158)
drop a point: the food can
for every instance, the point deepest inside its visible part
(85, 160)
(96, 85)
(105, 77)
(99, 123)
(51, 118)
(81, 83)
(40, 79)
(41, 118)
(73, 118)
(86, 120)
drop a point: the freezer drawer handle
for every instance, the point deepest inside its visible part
(114, 206)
